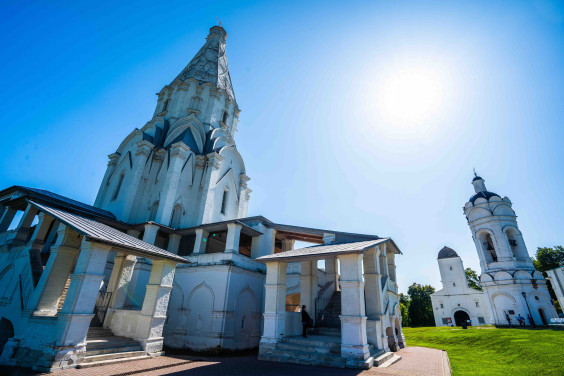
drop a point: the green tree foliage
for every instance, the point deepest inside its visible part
(549, 258)
(472, 278)
(420, 309)
(404, 306)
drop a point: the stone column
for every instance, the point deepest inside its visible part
(150, 234)
(331, 271)
(306, 293)
(24, 225)
(373, 297)
(354, 344)
(54, 277)
(77, 311)
(173, 243)
(274, 306)
(118, 283)
(155, 304)
(37, 243)
(287, 245)
(265, 244)
(7, 217)
(233, 236)
(200, 242)
(178, 154)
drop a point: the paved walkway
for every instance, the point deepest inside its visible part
(415, 361)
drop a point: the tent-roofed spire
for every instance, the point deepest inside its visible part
(210, 63)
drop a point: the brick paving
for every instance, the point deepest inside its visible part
(418, 361)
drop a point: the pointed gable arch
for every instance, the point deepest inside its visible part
(235, 152)
(192, 124)
(133, 137)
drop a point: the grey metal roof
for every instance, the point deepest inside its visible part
(447, 252)
(484, 194)
(102, 233)
(324, 250)
(55, 199)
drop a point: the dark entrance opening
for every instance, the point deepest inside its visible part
(459, 317)
(541, 314)
(6, 332)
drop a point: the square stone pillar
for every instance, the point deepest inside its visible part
(274, 306)
(54, 277)
(78, 308)
(265, 245)
(354, 344)
(150, 234)
(306, 291)
(200, 242)
(37, 242)
(24, 225)
(7, 218)
(155, 305)
(233, 236)
(119, 283)
(331, 271)
(373, 297)
(173, 243)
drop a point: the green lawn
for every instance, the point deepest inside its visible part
(490, 351)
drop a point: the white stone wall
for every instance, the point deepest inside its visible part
(556, 277)
(457, 296)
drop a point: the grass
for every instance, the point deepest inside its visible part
(485, 350)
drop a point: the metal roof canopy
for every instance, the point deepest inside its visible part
(220, 226)
(322, 251)
(102, 233)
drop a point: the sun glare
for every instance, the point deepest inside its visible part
(410, 96)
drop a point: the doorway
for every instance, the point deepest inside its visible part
(460, 317)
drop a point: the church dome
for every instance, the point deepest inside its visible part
(447, 252)
(484, 194)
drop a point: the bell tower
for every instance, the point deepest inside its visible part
(508, 277)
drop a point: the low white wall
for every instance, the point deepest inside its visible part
(293, 324)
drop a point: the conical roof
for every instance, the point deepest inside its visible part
(210, 63)
(447, 252)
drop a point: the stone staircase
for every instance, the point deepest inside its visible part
(104, 348)
(323, 350)
(329, 316)
(63, 296)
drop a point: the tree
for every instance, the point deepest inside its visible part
(549, 258)
(404, 306)
(420, 309)
(473, 280)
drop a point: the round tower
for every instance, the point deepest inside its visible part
(508, 277)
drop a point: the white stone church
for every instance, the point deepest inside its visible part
(167, 256)
(512, 287)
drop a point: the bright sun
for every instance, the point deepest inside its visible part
(410, 96)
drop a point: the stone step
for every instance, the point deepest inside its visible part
(112, 361)
(394, 359)
(383, 358)
(334, 350)
(113, 349)
(305, 358)
(112, 356)
(313, 341)
(328, 331)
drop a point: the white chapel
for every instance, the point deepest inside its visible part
(167, 255)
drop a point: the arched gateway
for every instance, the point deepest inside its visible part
(460, 317)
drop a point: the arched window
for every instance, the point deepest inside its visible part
(224, 202)
(513, 240)
(175, 218)
(118, 186)
(488, 247)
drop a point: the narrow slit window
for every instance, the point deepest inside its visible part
(224, 202)
(118, 187)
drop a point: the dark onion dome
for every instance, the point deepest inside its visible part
(477, 178)
(484, 194)
(447, 252)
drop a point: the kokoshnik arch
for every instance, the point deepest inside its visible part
(167, 254)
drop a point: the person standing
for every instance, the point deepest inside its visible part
(508, 319)
(305, 321)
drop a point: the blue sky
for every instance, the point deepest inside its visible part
(321, 143)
